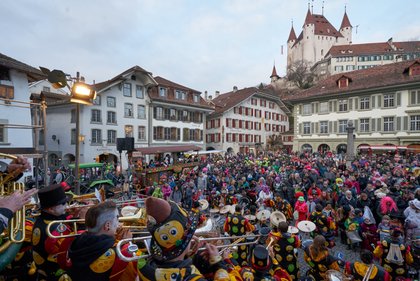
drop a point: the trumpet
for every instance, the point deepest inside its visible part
(133, 249)
(62, 225)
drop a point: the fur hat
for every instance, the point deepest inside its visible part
(52, 195)
(171, 227)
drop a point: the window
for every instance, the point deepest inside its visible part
(128, 110)
(96, 116)
(364, 125)
(307, 109)
(191, 135)
(342, 126)
(365, 103)
(350, 67)
(111, 136)
(141, 111)
(196, 98)
(110, 101)
(96, 136)
(73, 116)
(139, 92)
(45, 89)
(389, 100)
(162, 92)
(173, 116)
(167, 133)
(415, 123)
(157, 133)
(175, 134)
(323, 126)
(415, 97)
(111, 117)
(128, 130)
(166, 113)
(388, 124)
(158, 113)
(3, 131)
(180, 95)
(185, 115)
(323, 107)
(342, 105)
(73, 136)
(127, 90)
(306, 128)
(97, 101)
(142, 133)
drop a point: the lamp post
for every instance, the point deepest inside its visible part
(350, 144)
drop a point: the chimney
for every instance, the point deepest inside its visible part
(205, 95)
(235, 89)
(217, 94)
(210, 97)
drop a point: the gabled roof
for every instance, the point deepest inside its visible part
(165, 82)
(388, 75)
(123, 76)
(374, 48)
(345, 22)
(292, 35)
(33, 74)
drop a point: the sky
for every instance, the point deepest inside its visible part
(206, 45)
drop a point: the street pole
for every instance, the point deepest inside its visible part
(76, 164)
(350, 144)
(44, 117)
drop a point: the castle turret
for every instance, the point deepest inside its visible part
(346, 28)
(290, 42)
(274, 77)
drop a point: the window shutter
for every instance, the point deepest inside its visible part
(356, 103)
(398, 99)
(313, 107)
(379, 101)
(312, 127)
(154, 112)
(330, 127)
(356, 125)
(373, 102)
(405, 127)
(316, 128)
(178, 133)
(373, 121)
(330, 106)
(335, 106)
(378, 124)
(317, 107)
(300, 109)
(300, 129)
(350, 104)
(335, 126)
(413, 97)
(398, 123)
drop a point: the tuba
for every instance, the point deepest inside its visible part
(16, 232)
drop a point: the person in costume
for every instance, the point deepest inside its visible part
(237, 225)
(302, 209)
(319, 259)
(92, 255)
(46, 250)
(394, 255)
(283, 206)
(284, 245)
(359, 269)
(325, 226)
(262, 267)
(369, 234)
(172, 229)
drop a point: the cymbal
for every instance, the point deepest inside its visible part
(215, 210)
(263, 215)
(204, 204)
(128, 211)
(276, 217)
(225, 209)
(306, 226)
(250, 217)
(232, 209)
(293, 229)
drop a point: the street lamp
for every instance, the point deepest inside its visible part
(80, 93)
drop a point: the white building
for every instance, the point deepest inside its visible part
(383, 102)
(244, 120)
(15, 77)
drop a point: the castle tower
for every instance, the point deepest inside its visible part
(290, 42)
(274, 77)
(346, 29)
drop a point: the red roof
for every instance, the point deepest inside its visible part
(120, 77)
(230, 99)
(324, 27)
(292, 35)
(308, 18)
(274, 72)
(345, 22)
(374, 48)
(375, 77)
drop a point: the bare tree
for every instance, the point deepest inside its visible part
(274, 142)
(300, 74)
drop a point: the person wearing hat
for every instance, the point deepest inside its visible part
(262, 266)
(301, 208)
(359, 269)
(92, 255)
(412, 220)
(394, 255)
(283, 206)
(369, 232)
(172, 229)
(46, 250)
(237, 225)
(325, 226)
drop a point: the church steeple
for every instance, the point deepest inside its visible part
(274, 77)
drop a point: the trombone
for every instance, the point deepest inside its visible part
(62, 225)
(136, 254)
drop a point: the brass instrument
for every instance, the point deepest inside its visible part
(368, 273)
(136, 254)
(61, 228)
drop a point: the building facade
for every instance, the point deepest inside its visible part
(244, 120)
(383, 102)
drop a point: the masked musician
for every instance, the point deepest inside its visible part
(319, 259)
(283, 206)
(92, 255)
(46, 250)
(172, 229)
(237, 225)
(284, 245)
(325, 226)
(394, 255)
(359, 269)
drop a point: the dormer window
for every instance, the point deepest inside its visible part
(196, 98)
(180, 95)
(414, 69)
(162, 92)
(343, 82)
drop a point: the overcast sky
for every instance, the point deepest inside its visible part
(202, 44)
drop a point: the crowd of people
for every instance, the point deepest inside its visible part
(371, 204)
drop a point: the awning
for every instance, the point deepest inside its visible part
(380, 147)
(201, 152)
(165, 149)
